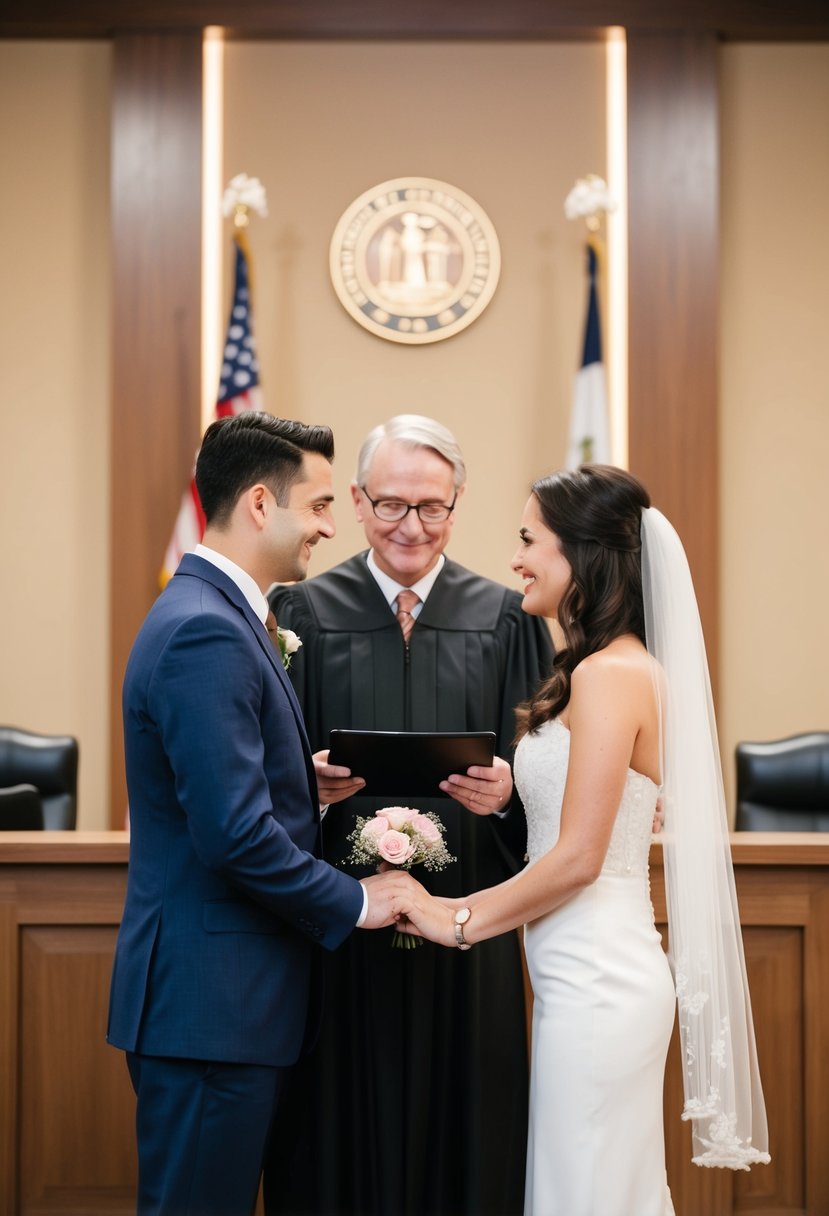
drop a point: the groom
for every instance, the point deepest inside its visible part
(227, 896)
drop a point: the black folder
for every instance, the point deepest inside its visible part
(409, 764)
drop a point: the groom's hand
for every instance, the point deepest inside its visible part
(481, 790)
(384, 892)
(334, 781)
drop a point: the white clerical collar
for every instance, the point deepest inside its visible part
(391, 588)
(247, 585)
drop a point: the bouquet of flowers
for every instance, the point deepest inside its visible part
(401, 837)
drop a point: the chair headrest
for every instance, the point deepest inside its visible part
(790, 773)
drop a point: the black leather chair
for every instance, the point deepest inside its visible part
(20, 809)
(783, 785)
(47, 762)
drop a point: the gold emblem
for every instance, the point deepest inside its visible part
(415, 260)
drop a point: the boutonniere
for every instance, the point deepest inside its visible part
(288, 643)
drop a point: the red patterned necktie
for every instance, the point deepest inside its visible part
(406, 601)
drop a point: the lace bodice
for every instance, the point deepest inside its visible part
(540, 773)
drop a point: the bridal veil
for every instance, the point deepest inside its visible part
(723, 1092)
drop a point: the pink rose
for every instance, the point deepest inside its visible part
(427, 829)
(395, 847)
(375, 828)
(398, 815)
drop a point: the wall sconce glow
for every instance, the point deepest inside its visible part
(617, 245)
(212, 157)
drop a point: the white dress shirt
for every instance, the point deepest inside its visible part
(391, 589)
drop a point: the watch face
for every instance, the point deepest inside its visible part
(462, 916)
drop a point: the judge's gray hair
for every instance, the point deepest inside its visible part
(416, 431)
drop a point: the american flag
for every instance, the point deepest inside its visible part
(238, 390)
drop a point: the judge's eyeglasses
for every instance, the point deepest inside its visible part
(391, 510)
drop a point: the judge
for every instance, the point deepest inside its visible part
(414, 1101)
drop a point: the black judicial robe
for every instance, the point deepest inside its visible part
(414, 1100)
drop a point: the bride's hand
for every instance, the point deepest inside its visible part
(418, 913)
(481, 790)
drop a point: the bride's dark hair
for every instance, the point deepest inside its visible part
(596, 512)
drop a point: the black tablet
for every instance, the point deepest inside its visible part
(409, 764)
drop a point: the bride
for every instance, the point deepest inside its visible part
(625, 716)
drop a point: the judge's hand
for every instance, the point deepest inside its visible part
(481, 790)
(418, 913)
(334, 781)
(384, 890)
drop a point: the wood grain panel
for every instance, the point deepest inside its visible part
(76, 1119)
(816, 1000)
(54, 968)
(424, 19)
(156, 225)
(788, 969)
(673, 151)
(774, 962)
(9, 987)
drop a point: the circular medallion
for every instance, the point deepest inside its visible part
(415, 260)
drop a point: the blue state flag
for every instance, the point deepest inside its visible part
(589, 425)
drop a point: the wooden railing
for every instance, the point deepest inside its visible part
(66, 1106)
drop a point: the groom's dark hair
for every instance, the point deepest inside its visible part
(251, 447)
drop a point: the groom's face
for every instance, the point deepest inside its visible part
(301, 522)
(408, 549)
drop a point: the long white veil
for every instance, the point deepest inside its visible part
(723, 1092)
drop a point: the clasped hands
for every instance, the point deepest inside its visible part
(482, 790)
(394, 897)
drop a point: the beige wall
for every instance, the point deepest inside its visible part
(54, 400)
(511, 125)
(775, 393)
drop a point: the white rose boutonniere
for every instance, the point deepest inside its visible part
(289, 644)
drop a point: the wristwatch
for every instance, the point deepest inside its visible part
(461, 917)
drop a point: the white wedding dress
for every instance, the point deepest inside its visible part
(604, 1004)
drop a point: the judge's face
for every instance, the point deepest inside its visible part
(539, 561)
(407, 549)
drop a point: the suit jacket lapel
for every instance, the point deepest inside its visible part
(197, 567)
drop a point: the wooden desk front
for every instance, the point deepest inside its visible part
(66, 1106)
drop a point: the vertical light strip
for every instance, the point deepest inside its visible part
(617, 245)
(211, 261)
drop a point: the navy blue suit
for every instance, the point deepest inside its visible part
(227, 895)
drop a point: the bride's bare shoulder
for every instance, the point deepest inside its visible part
(622, 667)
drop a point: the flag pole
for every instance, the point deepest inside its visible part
(589, 439)
(239, 377)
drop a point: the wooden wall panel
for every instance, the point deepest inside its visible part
(774, 961)
(66, 1131)
(784, 912)
(423, 19)
(67, 1110)
(77, 1150)
(9, 987)
(156, 226)
(673, 152)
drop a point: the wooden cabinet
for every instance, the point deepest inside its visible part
(67, 1108)
(783, 893)
(67, 1141)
